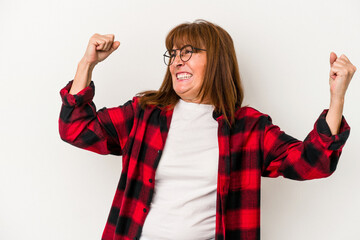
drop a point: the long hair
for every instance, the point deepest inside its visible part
(221, 83)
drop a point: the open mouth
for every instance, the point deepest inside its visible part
(183, 76)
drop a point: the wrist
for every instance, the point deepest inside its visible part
(84, 64)
(336, 106)
(337, 100)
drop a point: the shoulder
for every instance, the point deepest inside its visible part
(139, 108)
(250, 118)
(249, 112)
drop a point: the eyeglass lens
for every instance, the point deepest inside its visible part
(185, 54)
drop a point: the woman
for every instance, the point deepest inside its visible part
(207, 184)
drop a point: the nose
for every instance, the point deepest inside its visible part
(177, 61)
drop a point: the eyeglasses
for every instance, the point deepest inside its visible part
(185, 54)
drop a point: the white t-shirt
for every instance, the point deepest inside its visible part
(184, 201)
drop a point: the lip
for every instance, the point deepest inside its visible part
(183, 79)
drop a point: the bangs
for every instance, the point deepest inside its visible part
(185, 34)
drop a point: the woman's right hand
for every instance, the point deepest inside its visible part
(99, 48)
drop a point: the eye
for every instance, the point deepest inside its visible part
(186, 50)
(172, 54)
(169, 54)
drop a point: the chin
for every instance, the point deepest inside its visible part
(180, 91)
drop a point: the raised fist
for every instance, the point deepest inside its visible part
(99, 48)
(341, 73)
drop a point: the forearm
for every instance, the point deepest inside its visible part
(314, 157)
(82, 77)
(334, 115)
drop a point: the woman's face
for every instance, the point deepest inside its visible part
(188, 77)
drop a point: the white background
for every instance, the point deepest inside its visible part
(52, 190)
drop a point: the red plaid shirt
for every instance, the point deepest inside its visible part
(251, 148)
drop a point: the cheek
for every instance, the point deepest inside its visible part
(202, 74)
(173, 77)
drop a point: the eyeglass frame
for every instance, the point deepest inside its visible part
(180, 49)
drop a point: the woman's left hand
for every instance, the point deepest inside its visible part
(341, 73)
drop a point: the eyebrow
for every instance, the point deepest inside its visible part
(181, 47)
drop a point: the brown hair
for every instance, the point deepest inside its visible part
(222, 78)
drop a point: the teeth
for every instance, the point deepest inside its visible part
(182, 76)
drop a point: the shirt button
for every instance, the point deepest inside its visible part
(144, 210)
(150, 180)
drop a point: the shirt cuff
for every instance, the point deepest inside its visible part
(84, 96)
(332, 142)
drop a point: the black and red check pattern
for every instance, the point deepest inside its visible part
(251, 148)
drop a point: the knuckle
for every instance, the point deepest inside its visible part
(347, 71)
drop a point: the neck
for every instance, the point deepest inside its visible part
(197, 100)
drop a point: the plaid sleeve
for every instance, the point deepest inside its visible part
(315, 157)
(104, 131)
